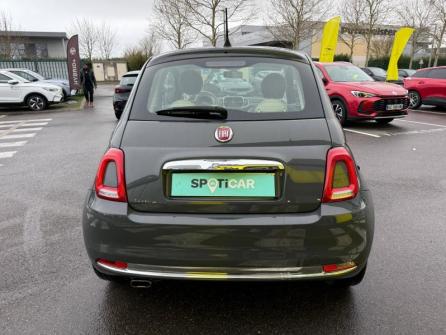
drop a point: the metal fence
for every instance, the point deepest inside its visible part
(47, 68)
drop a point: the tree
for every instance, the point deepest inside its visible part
(172, 23)
(294, 21)
(439, 7)
(375, 13)
(381, 47)
(88, 36)
(9, 39)
(106, 40)
(352, 12)
(205, 16)
(416, 14)
(137, 56)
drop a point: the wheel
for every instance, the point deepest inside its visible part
(352, 281)
(113, 279)
(384, 121)
(340, 111)
(65, 96)
(36, 102)
(414, 100)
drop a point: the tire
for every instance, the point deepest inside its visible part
(112, 279)
(36, 102)
(352, 281)
(118, 114)
(384, 121)
(340, 111)
(414, 100)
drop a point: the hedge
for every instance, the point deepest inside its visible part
(403, 63)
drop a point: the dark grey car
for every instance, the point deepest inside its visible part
(213, 186)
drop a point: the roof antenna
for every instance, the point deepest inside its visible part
(227, 42)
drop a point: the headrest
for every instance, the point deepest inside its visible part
(273, 86)
(191, 82)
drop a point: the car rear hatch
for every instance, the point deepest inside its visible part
(275, 166)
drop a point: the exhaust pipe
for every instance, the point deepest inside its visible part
(140, 283)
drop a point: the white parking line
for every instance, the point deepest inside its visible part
(37, 124)
(11, 137)
(12, 144)
(25, 121)
(7, 154)
(428, 112)
(26, 129)
(423, 123)
(362, 133)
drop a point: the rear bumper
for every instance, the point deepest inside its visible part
(119, 105)
(230, 246)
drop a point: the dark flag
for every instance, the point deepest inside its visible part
(74, 62)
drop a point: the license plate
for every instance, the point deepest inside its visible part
(395, 107)
(249, 185)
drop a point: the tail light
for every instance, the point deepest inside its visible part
(341, 180)
(110, 178)
(121, 90)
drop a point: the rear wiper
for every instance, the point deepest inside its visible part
(196, 112)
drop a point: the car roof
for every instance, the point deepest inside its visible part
(131, 73)
(336, 63)
(271, 52)
(432, 68)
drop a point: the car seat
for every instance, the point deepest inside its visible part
(190, 83)
(273, 89)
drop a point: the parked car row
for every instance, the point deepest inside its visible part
(36, 95)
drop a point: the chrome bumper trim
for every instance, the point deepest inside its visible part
(199, 273)
(223, 164)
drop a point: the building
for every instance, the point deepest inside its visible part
(19, 45)
(261, 35)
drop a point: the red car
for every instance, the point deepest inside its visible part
(427, 86)
(356, 96)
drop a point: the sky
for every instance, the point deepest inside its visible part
(130, 18)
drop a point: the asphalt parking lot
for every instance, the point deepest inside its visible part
(48, 160)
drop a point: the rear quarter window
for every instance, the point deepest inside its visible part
(128, 80)
(438, 74)
(250, 88)
(422, 74)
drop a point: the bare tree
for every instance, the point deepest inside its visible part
(172, 23)
(149, 44)
(375, 13)
(294, 21)
(138, 55)
(205, 17)
(88, 36)
(381, 47)
(440, 21)
(106, 40)
(352, 12)
(9, 38)
(416, 14)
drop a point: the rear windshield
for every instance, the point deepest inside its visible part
(249, 88)
(128, 80)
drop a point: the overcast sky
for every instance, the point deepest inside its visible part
(129, 17)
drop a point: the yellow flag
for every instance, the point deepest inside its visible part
(401, 38)
(330, 40)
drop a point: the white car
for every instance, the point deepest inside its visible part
(34, 76)
(15, 90)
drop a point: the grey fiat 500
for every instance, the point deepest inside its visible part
(229, 164)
